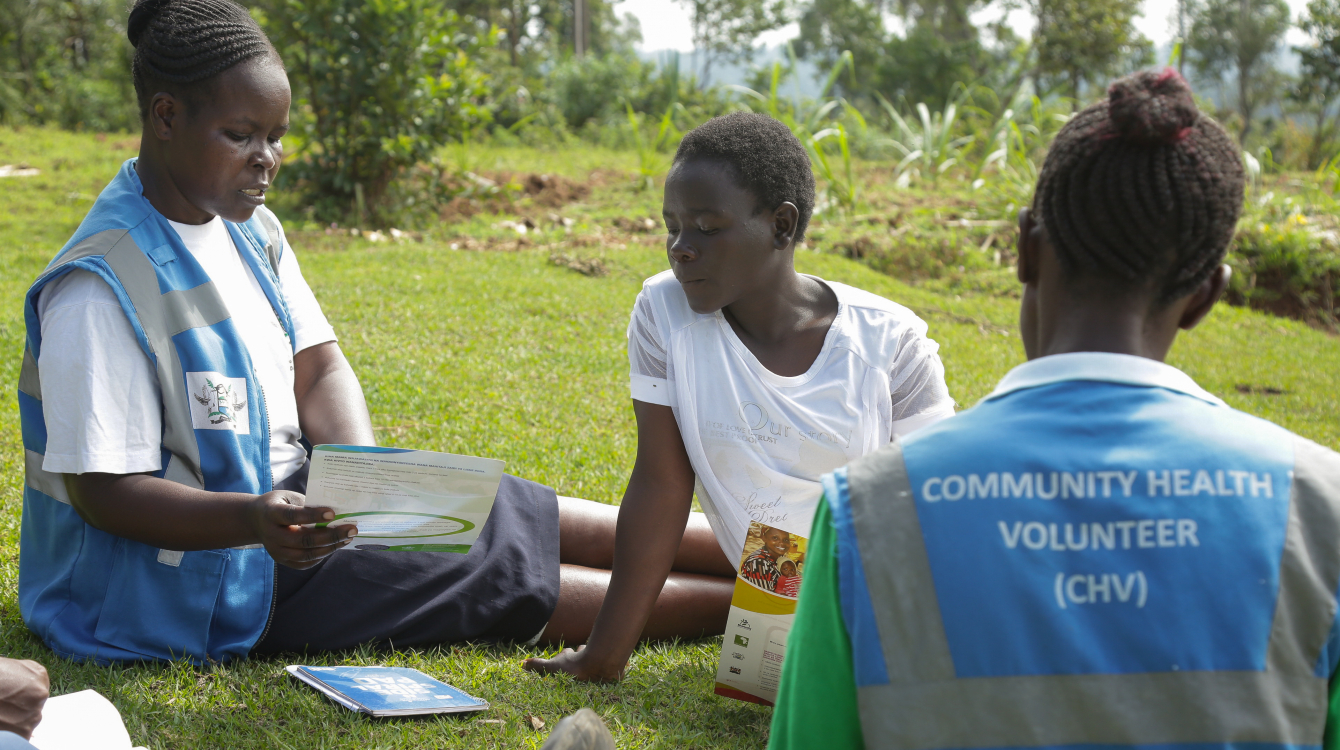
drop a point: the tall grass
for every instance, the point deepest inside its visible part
(815, 123)
(1020, 137)
(1327, 176)
(930, 143)
(650, 161)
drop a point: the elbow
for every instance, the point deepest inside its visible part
(88, 493)
(82, 508)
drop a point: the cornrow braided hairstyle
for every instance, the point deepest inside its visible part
(180, 44)
(767, 159)
(1142, 187)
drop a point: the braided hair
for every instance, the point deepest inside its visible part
(181, 44)
(1142, 187)
(767, 159)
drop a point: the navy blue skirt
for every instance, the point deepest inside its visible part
(504, 589)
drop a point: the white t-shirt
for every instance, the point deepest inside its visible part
(758, 441)
(100, 393)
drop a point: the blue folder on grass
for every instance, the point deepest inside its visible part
(387, 691)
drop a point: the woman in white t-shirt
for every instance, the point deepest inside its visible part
(749, 380)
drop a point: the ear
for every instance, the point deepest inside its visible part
(163, 111)
(1202, 300)
(785, 220)
(1027, 247)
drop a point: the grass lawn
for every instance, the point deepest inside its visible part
(499, 351)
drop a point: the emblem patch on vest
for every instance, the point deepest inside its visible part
(218, 403)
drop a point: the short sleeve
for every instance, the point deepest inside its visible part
(100, 395)
(917, 382)
(310, 326)
(648, 368)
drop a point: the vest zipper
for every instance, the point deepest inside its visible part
(265, 429)
(274, 600)
(265, 445)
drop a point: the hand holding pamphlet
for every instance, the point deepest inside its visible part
(405, 500)
(761, 612)
(386, 691)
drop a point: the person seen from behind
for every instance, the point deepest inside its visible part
(749, 380)
(1100, 553)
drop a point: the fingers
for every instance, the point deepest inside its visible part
(299, 538)
(302, 547)
(291, 535)
(286, 509)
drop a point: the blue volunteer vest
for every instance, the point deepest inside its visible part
(1091, 563)
(89, 594)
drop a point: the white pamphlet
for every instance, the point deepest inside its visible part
(405, 500)
(81, 721)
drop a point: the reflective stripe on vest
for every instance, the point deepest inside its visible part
(922, 704)
(161, 316)
(67, 585)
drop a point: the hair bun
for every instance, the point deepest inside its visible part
(1152, 107)
(141, 16)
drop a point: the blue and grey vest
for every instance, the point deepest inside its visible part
(89, 594)
(1092, 563)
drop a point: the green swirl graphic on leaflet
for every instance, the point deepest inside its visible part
(459, 549)
(397, 527)
(360, 449)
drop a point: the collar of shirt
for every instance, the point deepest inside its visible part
(1101, 367)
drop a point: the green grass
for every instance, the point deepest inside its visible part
(502, 353)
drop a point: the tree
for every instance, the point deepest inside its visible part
(951, 20)
(939, 49)
(536, 32)
(380, 85)
(924, 66)
(67, 62)
(830, 27)
(1240, 37)
(1180, 14)
(1082, 42)
(726, 29)
(1318, 87)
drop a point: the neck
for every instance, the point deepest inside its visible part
(160, 189)
(1098, 324)
(777, 309)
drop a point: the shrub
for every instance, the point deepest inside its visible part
(380, 86)
(919, 247)
(66, 62)
(819, 126)
(597, 87)
(1286, 268)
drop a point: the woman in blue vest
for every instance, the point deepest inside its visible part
(1101, 553)
(176, 361)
